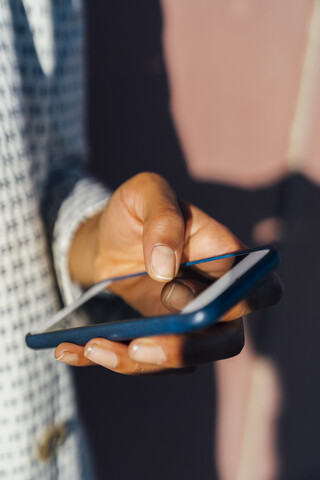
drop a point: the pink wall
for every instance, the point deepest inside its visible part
(234, 72)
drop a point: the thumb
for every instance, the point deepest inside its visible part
(163, 227)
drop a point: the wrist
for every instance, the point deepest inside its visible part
(83, 252)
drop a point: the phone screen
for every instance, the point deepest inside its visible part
(206, 279)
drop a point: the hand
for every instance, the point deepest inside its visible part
(145, 226)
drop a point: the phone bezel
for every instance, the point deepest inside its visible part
(200, 319)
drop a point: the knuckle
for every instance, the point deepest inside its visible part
(177, 352)
(168, 218)
(137, 368)
(149, 177)
(234, 244)
(238, 311)
(243, 309)
(132, 369)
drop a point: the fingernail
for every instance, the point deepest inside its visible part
(102, 356)
(179, 295)
(69, 358)
(146, 351)
(163, 262)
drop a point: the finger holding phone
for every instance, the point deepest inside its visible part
(144, 226)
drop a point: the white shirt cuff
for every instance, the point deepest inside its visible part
(87, 199)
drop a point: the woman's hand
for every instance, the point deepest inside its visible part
(144, 226)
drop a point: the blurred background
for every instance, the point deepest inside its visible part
(217, 97)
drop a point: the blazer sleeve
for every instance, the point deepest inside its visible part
(69, 194)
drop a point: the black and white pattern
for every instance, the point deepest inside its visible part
(44, 194)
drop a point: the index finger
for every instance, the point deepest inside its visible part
(177, 294)
(204, 238)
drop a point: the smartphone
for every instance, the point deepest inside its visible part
(227, 278)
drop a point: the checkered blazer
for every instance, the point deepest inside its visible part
(44, 196)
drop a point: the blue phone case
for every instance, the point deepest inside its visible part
(175, 323)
